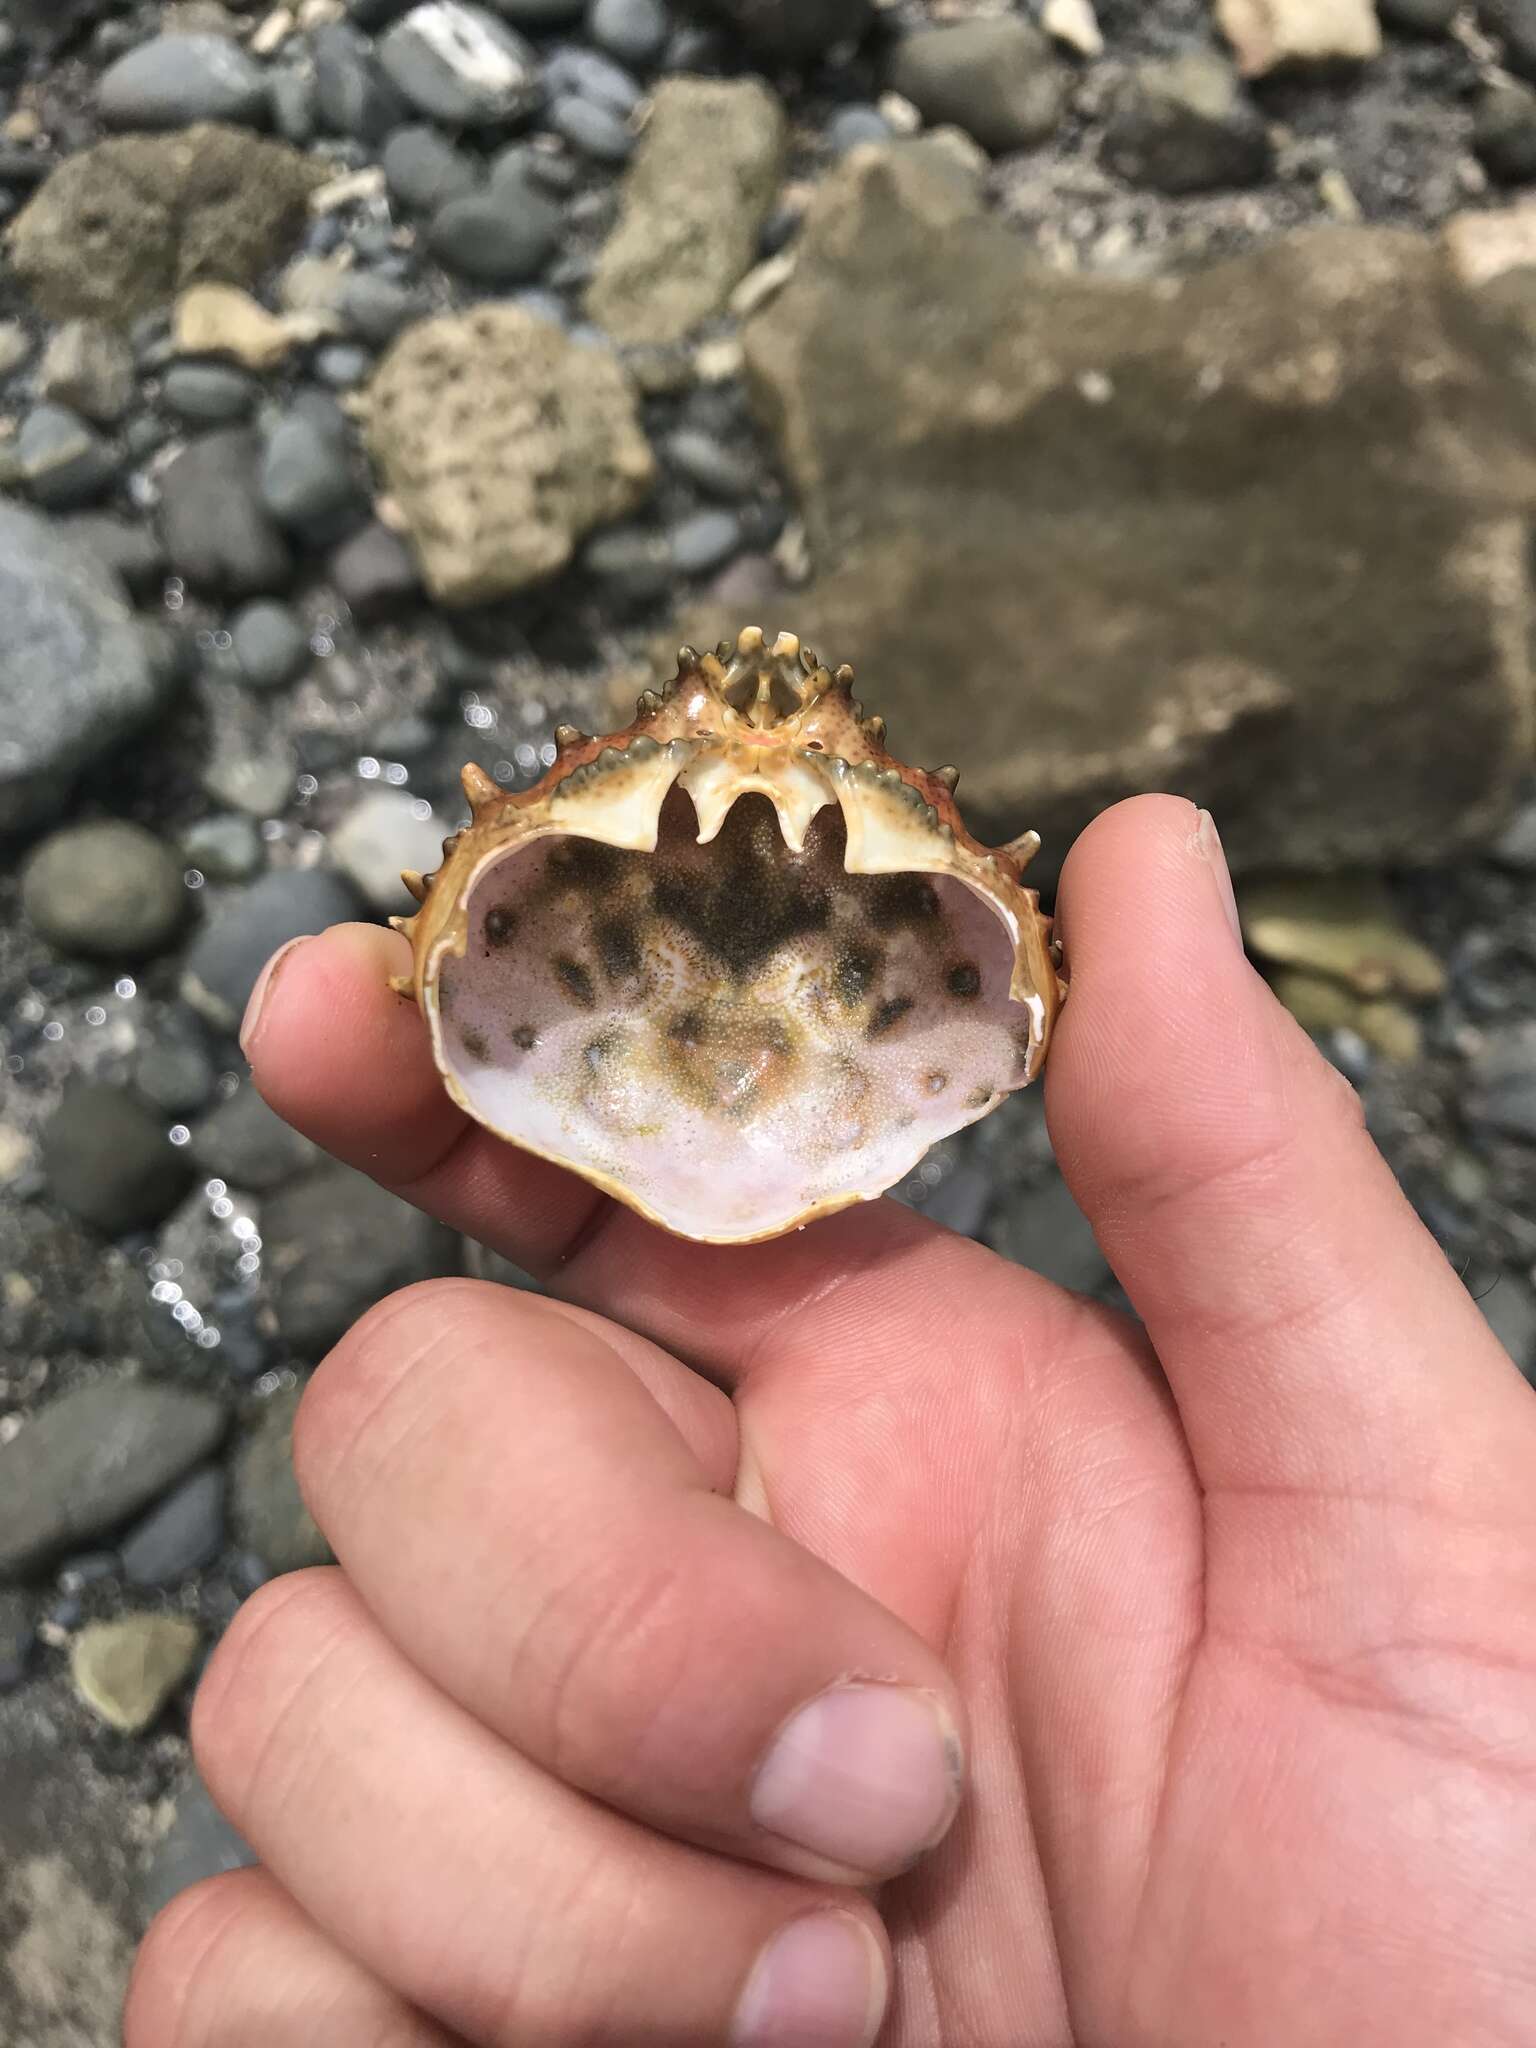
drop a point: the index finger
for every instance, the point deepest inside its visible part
(347, 1062)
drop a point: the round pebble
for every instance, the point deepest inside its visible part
(231, 950)
(108, 891)
(596, 132)
(271, 643)
(108, 1159)
(424, 171)
(208, 391)
(503, 236)
(634, 31)
(62, 460)
(173, 80)
(224, 847)
(850, 126)
(703, 542)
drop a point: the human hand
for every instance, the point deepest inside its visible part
(1231, 1617)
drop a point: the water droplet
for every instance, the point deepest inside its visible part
(53, 1031)
(165, 1291)
(306, 787)
(368, 768)
(223, 640)
(548, 753)
(207, 1339)
(95, 1014)
(422, 810)
(179, 1134)
(213, 1189)
(126, 987)
(222, 1207)
(396, 772)
(14, 1063)
(30, 1009)
(321, 644)
(480, 716)
(194, 878)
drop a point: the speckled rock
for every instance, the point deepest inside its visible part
(1354, 485)
(75, 671)
(90, 1459)
(266, 1507)
(503, 443)
(108, 890)
(683, 242)
(118, 228)
(999, 80)
(126, 1670)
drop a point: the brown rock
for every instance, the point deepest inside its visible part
(118, 229)
(1254, 534)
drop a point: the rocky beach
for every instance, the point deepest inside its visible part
(1141, 394)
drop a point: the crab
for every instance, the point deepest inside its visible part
(734, 964)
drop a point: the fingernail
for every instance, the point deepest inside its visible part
(820, 1983)
(866, 1775)
(1208, 839)
(250, 1023)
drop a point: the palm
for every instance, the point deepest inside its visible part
(1176, 1709)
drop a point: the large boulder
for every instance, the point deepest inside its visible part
(503, 442)
(688, 234)
(75, 669)
(119, 229)
(1256, 533)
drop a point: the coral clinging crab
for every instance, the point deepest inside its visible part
(734, 964)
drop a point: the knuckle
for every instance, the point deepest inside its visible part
(179, 1959)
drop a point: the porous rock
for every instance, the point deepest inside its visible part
(1255, 533)
(684, 240)
(119, 228)
(503, 442)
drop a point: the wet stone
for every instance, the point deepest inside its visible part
(334, 1244)
(249, 1146)
(208, 392)
(90, 1459)
(218, 533)
(341, 364)
(380, 836)
(374, 571)
(172, 81)
(266, 1507)
(460, 64)
(271, 643)
(126, 548)
(1504, 132)
(17, 1634)
(224, 847)
(423, 170)
(573, 72)
(173, 1070)
(107, 891)
(378, 307)
(89, 368)
(1186, 125)
(703, 542)
(199, 1843)
(596, 132)
(306, 477)
(236, 943)
(998, 80)
(504, 235)
(126, 1670)
(181, 1535)
(633, 31)
(62, 459)
(352, 95)
(108, 1160)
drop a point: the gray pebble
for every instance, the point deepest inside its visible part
(17, 1634)
(173, 1070)
(634, 31)
(337, 1244)
(1186, 125)
(62, 460)
(266, 1507)
(850, 126)
(229, 953)
(460, 65)
(198, 1843)
(225, 847)
(209, 392)
(341, 364)
(352, 95)
(249, 1145)
(998, 79)
(90, 1459)
(709, 464)
(587, 76)
(378, 307)
(129, 548)
(88, 367)
(172, 81)
(182, 1534)
(108, 1160)
(605, 137)
(374, 571)
(295, 116)
(380, 837)
(271, 643)
(703, 542)
(502, 236)
(306, 478)
(423, 170)
(218, 534)
(107, 891)
(634, 562)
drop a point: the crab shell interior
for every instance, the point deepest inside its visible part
(735, 977)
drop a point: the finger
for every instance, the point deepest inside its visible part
(233, 1963)
(1311, 1330)
(347, 1062)
(584, 1586)
(510, 1907)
